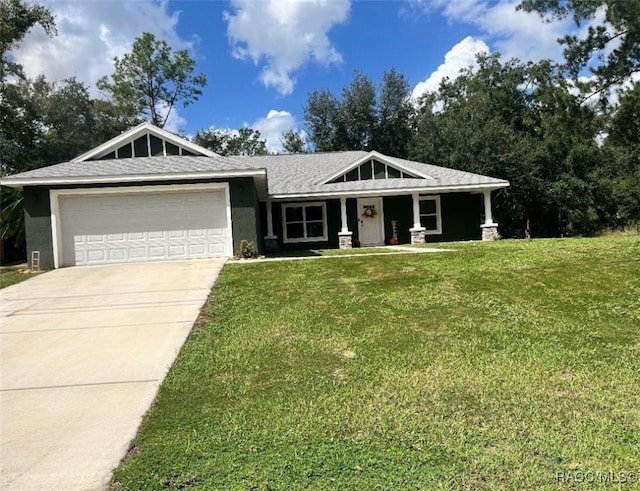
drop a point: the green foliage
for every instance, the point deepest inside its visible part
(518, 121)
(11, 276)
(44, 123)
(17, 18)
(244, 141)
(152, 80)
(493, 367)
(11, 215)
(293, 142)
(610, 49)
(365, 118)
(247, 250)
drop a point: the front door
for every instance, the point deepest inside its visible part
(371, 228)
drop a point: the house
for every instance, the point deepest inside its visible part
(148, 194)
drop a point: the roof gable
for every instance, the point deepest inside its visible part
(374, 166)
(145, 140)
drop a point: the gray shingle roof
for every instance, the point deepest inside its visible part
(172, 164)
(286, 174)
(306, 173)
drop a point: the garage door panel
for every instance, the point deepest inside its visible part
(145, 226)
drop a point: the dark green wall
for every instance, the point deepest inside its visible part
(37, 224)
(244, 213)
(333, 226)
(399, 208)
(461, 217)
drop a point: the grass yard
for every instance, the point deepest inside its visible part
(494, 367)
(11, 276)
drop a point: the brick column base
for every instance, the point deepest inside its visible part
(490, 231)
(417, 235)
(344, 239)
(271, 244)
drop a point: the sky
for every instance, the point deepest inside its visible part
(262, 58)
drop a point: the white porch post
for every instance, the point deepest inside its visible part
(270, 240)
(417, 231)
(489, 227)
(343, 215)
(488, 218)
(269, 219)
(344, 237)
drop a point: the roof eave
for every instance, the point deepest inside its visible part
(116, 179)
(390, 192)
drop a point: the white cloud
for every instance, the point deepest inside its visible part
(175, 123)
(514, 33)
(90, 34)
(462, 55)
(284, 35)
(272, 127)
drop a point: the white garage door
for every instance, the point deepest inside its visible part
(115, 228)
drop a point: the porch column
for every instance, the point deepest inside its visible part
(344, 237)
(270, 240)
(417, 231)
(489, 227)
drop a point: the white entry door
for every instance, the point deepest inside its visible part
(371, 223)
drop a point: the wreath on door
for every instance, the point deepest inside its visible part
(369, 212)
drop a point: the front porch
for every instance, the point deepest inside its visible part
(369, 221)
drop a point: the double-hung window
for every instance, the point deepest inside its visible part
(430, 217)
(304, 222)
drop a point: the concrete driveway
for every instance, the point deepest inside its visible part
(82, 354)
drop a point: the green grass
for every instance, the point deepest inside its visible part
(494, 367)
(11, 276)
(335, 252)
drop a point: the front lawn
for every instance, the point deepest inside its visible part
(504, 365)
(11, 276)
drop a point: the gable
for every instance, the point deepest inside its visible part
(145, 140)
(374, 169)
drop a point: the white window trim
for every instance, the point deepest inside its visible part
(437, 214)
(304, 204)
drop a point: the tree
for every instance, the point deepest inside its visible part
(152, 80)
(293, 142)
(621, 169)
(611, 49)
(519, 122)
(322, 116)
(244, 141)
(395, 115)
(358, 109)
(17, 18)
(365, 118)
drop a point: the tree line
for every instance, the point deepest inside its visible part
(572, 156)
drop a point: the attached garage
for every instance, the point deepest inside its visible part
(141, 223)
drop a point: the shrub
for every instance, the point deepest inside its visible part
(247, 250)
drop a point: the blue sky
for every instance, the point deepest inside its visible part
(263, 57)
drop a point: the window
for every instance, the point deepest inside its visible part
(304, 222)
(373, 169)
(430, 217)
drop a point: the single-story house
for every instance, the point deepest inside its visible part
(148, 194)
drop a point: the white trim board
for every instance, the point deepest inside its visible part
(116, 179)
(391, 192)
